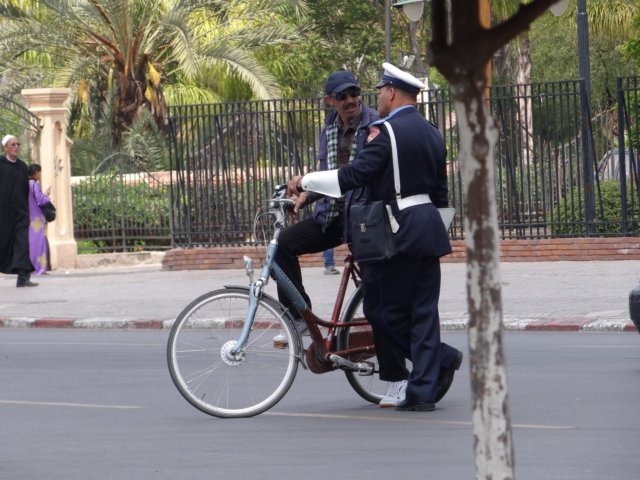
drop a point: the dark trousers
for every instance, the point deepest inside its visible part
(21, 263)
(299, 239)
(308, 237)
(401, 302)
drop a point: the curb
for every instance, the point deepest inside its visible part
(457, 324)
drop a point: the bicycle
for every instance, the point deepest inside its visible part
(224, 359)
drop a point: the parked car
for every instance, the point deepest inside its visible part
(634, 306)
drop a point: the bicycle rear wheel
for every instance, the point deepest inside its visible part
(369, 387)
(214, 379)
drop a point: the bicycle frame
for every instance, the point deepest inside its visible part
(324, 347)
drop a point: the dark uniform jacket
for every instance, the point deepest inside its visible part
(422, 166)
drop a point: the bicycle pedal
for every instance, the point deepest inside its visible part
(365, 369)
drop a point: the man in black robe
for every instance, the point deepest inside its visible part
(14, 214)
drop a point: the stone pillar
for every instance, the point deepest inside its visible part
(55, 159)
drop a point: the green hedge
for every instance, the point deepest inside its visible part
(106, 209)
(569, 219)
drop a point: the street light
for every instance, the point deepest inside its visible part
(412, 8)
(584, 66)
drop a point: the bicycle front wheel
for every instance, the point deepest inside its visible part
(219, 381)
(369, 387)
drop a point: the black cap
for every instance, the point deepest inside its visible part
(338, 81)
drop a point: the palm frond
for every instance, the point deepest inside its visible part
(189, 94)
(247, 68)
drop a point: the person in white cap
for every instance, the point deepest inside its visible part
(401, 295)
(14, 214)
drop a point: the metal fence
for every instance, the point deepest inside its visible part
(554, 177)
(115, 211)
(623, 163)
(557, 169)
(226, 158)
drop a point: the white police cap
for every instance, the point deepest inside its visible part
(392, 75)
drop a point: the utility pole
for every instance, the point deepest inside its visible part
(584, 68)
(387, 30)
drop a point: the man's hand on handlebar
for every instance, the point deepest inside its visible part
(301, 201)
(293, 186)
(294, 193)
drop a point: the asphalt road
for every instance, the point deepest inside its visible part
(99, 404)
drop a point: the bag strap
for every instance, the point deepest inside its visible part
(396, 177)
(394, 155)
(445, 213)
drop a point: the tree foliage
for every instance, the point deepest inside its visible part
(125, 51)
(554, 56)
(631, 48)
(338, 35)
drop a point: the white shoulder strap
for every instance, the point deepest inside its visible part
(394, 154)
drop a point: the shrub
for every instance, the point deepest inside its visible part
(115, 214)
(569, 218)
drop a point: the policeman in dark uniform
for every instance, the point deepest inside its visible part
(401, 296)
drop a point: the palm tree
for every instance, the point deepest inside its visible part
(125, 51)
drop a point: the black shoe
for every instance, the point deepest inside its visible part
(28, 283)
(446, 377)
(411, 406)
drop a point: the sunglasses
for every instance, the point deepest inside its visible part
(353, 92)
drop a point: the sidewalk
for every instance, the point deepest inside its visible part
(556, 296)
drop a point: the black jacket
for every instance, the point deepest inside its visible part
(14, 216)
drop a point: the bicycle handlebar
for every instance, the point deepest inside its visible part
(279, 199)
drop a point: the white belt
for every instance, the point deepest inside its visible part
(412, 201)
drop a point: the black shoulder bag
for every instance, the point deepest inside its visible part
(49, 211)
(371, 234)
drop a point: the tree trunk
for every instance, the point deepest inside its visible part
(460, 48)
(490, 408)
(419, 67)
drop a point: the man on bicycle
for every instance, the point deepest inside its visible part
(341, 139)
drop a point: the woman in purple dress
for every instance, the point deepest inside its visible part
(38, 247)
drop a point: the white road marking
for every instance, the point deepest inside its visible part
(411, 418)
(95, 344)
(68, 404)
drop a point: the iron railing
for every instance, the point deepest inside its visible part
(226, 157)
(557, 168)
(121, 212)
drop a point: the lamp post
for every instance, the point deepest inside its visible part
(584, 69)
(387, 31)
(584, 66)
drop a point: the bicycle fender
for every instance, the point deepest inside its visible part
(245, 288)
(266, 295)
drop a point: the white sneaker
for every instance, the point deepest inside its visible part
(301, 327)
(394, 394)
